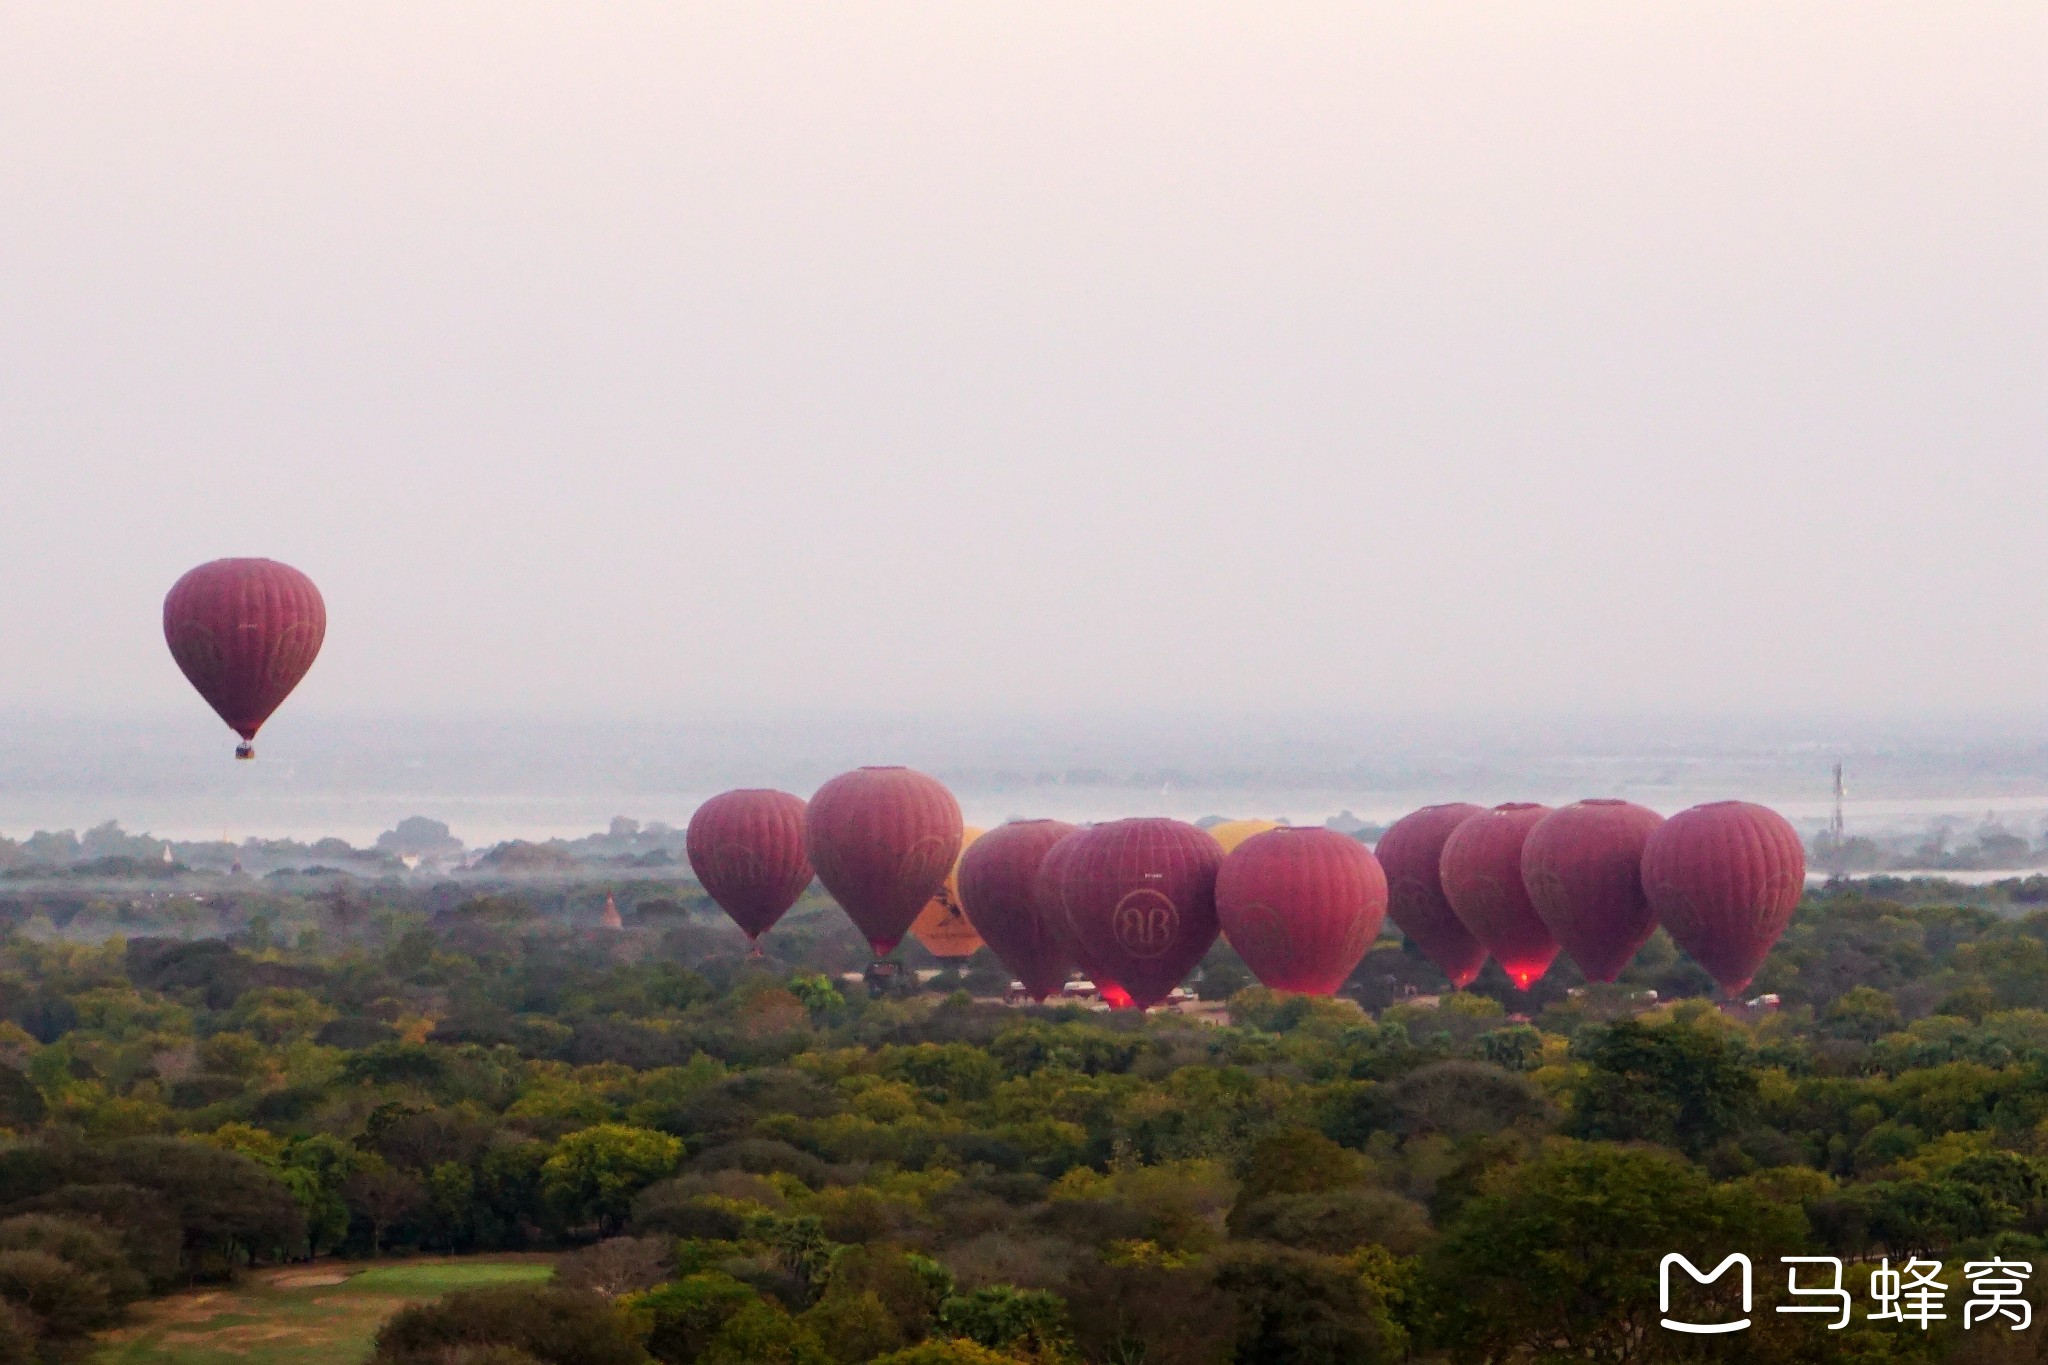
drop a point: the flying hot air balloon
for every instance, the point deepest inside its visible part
(1231, 833)
(998, 887)
(1301, 906)
(1583, 868)
(1053, 912)
(1482, 873)
(244, 632)
(1141, 900)
(883, 841)
(1724, 879)
(942, 926)
(747, 849)
(1410, 853)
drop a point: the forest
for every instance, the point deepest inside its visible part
(759, 1160)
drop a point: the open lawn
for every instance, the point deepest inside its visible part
(321, 1314)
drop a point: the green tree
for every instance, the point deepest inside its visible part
(762, 1334)
(1558, 1257)
(594, 1173)
(683, 1317)
(854, 1327)
(1679, 1084)
(1296, 1308)
(1006, 1318)
(1863, 1013)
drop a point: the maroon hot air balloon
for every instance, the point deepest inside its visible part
(244, 631)
(1301, 906)
(883, 841)
(1582, 865)
(1052, 905)
(1482, 871)
(747, 848)
(998, 881)
(1141, 900)
(1724, 879)
(1410, 854)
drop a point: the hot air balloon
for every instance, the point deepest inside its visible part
(883, 840)
(1052, 909)
(942, 927)
(747, 849)
(1582, 865)
(1724, 879)
(1301, 906)
(998, 887)
(1410, 854)
(1141, 900)
(244, 632)
(1482, 872)
(1231, 833)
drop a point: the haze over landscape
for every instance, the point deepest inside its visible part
(1013, 362)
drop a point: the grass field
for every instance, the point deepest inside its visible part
(321, 1314)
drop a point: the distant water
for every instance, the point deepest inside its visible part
(496, 779)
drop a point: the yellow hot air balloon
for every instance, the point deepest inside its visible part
(942, 927)
(1231, 833)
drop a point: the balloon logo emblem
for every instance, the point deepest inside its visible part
(1145, 923)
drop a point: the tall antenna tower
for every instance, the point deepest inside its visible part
(1838, 830)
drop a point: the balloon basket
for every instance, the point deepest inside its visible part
(245, 752)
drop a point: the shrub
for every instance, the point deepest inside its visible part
(65, 1301)
(90, 1245)
(555, 1326)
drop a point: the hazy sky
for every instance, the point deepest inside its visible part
(1036, 355)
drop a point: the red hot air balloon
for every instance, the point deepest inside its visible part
(244, 631)
(747, 848)
(1301, 906)
(883, 841)
(1482, 871)
(1582, 865)
(1052, 906)
(1141, 900)
(1724, 879)
(998, 880)
(1410, 854)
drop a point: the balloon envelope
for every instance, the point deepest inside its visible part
(998, 880)
(747, 849)
(1583, 868)
(1411, 853)
(1482, 872)
(942, 927)
(1231, 833)
(244, 632)
(1724, 879)
(1052, 900)
(883, 841)
(1301, 906)
(1141, 900)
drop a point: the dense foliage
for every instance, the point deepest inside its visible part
(757, 1161)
